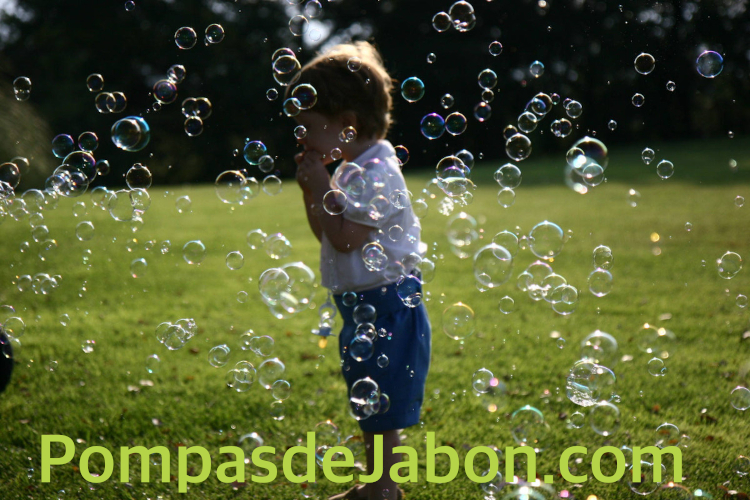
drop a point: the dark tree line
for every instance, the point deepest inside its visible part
(587, 47)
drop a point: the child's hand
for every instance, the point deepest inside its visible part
(312, 175)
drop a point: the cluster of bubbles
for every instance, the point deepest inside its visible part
(276, 245)
(105, 102)
(460, 16)
(230, 186)
(287, 290)
(195, 110)
(600, 279)
(586, 162)
(366, 399)
(175, 335)
(185, 37)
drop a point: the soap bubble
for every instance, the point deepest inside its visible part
(589, 383)
(447, 101)
(95, 82)
(564, 300)
(88, 141)
(507, 305)
(164, 91)
(729, 265)
(646, 484)
(644, 63)
(214, 33)
(270, 371)
(131, 133)
(573, 109)
(462, 15)
(306, 95)
(84, 230)
(281, 390)
(487, 79)
(22, 88)
(665, 169)
(740, 398)
(218, 356)
(603, 257)
(194, 252)
(458, 321)
(138, 268)
(361, 348)
(709, 64)
(605, 418)
(254, 151)
(298, 25)
(63, 145)
(600, 347)
(528, 428)
(235, 260)
(656, 367)
(493, 265)
(412, 89)
(638, 100)
(482, 112)
(335, 202)
(481, 380)
(546, 240)
(507, 240)
(508, 176)
(442, 22)
(409, 291)
(432, 126)
(185, 38)
(536, 69)
(228, 186)
(648, 155)
(455, 123)
(518, 147)
(600, 282)
(138, 177)
(496, 48)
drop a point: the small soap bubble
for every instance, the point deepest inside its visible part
(214, 33)
(219, 356)
(496, 48)
(235, 260)
(95, 82)
(185, 38)
(709, 64)
(536, 69)
(665, 169)
(648, 155)
(194, 252)
(638, 100)
(656, 367)
(644, 63)
(412, 89)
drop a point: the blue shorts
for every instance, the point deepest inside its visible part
(407, 347)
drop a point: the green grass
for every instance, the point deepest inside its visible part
(90, 397)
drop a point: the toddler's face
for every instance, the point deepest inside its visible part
(322, 133)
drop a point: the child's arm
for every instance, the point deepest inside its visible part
(312, 218)
(310, 207)
(345, 236)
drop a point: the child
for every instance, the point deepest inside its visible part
(353, 93)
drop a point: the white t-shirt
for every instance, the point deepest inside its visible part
(376, 197)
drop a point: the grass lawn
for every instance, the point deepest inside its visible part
(663, 275)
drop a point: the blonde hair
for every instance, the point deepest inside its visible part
(351, 78)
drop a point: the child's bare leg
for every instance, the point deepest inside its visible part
(375, 491)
